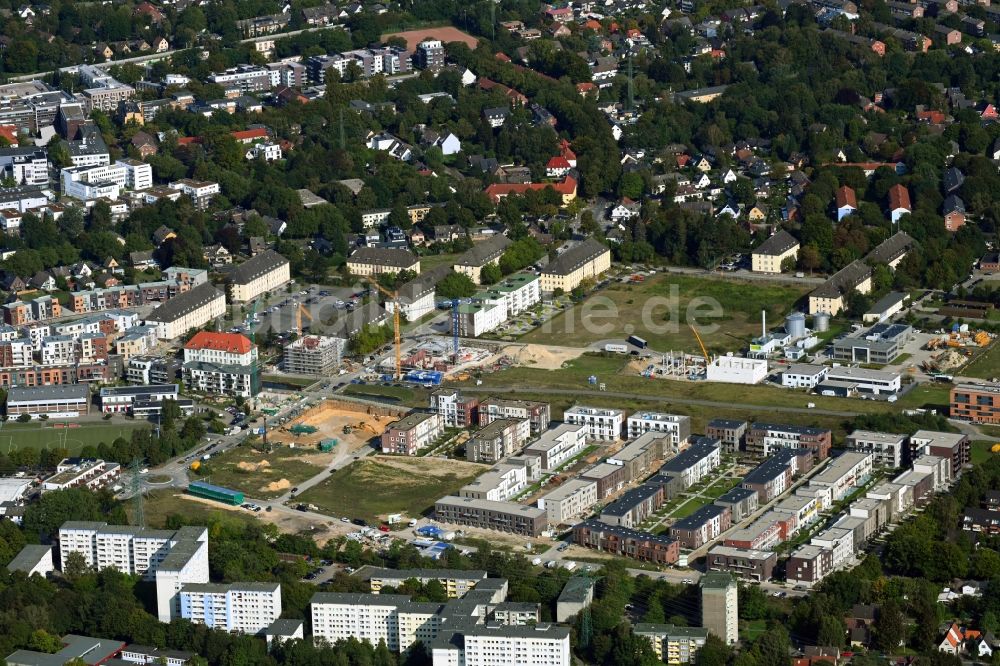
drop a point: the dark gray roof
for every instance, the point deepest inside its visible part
(777, 244)
(485, 252)
(891, 248)
(573, 258)
(844, 280)
(17, 394)
(384, 257)
(182, 304)
(699, 517)
(256, 266)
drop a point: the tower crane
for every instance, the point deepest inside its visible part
(394, 297)
(704, 352)
(301, 310)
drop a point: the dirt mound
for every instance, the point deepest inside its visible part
(543, 358)
(949, 360)
(274, 486)
(244, 466)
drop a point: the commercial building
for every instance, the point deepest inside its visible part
(720, 606)
(602, 424)
(538, 414)
(889, 449)
(677, 428)
(73, 648)
(222, 364)
(702, 526)
(412, 433)
(737, 370)
(480, 255)
(769, 256)
(803, 375)
(954, 447)
(191, 309)
(744, 563)
(576, 595)
(170, 558)
(317, 355)
(375, 261)
(673, 645)
(264, 272)
(979, 403)
(626, 542)
(122, 399)
(571, 500)
(880, 344)
(501, 516)
(501, 438)
(585, 260)
(558, 445)
(763, 439)
(863, 380)
(59, 401)
(245, 608)
(886, 307)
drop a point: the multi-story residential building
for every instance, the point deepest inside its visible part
(720, 606)
(58, 349)
(457, 583)
(201, 192)
(586, 260)
(953, 447)
(634, 506)
(678, 428)
(673, 645)
(763, 439)
(538, 414)
(412, 433)
(221, 363)
(608, 477)
(572, 499)
(769, 256)
(558, 445)
(262, 273)
(138, 174)
(846, 472)
(66, 400)
(121, 399)
(104, 92)
(731, 433)
(456, 410)
(501, 516)
(93, 182)
(602, 424)
(480, 255)
(501, 483)
(626, 542)
(576, 595)
(477, 318)
(889, 449)
(248, 78)
(26, 165)
(808, 565)
(695, 462)
(744, 563)
(375, 261)
(429, 54)
(318, 355)
(702, 526)
(742, 502)
(516, 292)
(501, 438)
(243, 608)
(832, 295)
(770, 478)
(191, 309)
(170, 558)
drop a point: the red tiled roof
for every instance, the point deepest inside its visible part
(899, 197)
(502, 57)
(845, 197)
(259, 133)
(557, 162)
(227, 342)
(565, 150)
(9, 132)
(188, 140)
(499, 190)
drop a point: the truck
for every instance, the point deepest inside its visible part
(636, 341)
(616, 348)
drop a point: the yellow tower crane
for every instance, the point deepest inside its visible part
(394, 296)
(302, 310)
(704, 352)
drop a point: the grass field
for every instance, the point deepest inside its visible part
(985, 365)
(401, 394)
(159, 504)
(260, 475)
(379, 485)
(980, 451)
(44, 434)
(431, 261)
(660, 308)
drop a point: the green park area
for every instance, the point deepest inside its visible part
(727, 313)
(376, 486)
(261, 475)
(70, 435)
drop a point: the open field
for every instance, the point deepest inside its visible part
(45, 434)
(445, 34)
(401, 394)
(264, 475)
(160, 504)
(979, 451)
(432, 261)
(376, 486)
(986, 365)
(659, 310)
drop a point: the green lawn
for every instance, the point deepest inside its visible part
(263, 475)
(159, 504)
(986, 365)
(401, 394)
(660, 309)
(45, 434)
(689, 507)
(980, 451)
(431, 261)
(377, 486)
(292, 381)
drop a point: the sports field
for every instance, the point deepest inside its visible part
(71, 435)
(726, 312)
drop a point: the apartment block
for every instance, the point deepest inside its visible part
(558, 445)
(586, 260)
(731, 433)
(501, 516)
(951, 446)
(569, 501)
(673, 645)
(702, 526)
(719, 606)
(191, 309)
(641, 454)
(744, 563)
(458, 411)
(517, 293)
(609, 478)
(455, 582)
(412, 433)
(763, 439)
(678, 428)
(847, 471)
(222, 364)
(480, 255)
(264, 272)
(634, 506)
(602, 424)
(889, 449)
(538, 414)
(769, 256)
(94, 474)
(808, 565)
(244, 608)
(695, 462)
(316, 355)
(498, 440)
(742, 502)
(499, 484)
(626, 542)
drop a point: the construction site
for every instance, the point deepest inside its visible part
(954, 348)
(351, 425)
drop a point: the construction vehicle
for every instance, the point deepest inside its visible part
(347, 430)
(195, 466)
(394, 296)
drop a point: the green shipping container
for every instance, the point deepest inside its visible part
(217, 493)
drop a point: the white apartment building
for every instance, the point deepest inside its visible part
(573, 499)
(171, 558)
(677, 427)
(839, 541)
(191, 309)
(602, 424)
(518, 292)
(93, 474)
(372, 618)
(477, 318)
(20, 353)
(245, 608)
(887, 447)
(558, 445)
(456, 411)
(222, 363)
(200, 191)
(267, 151)
(58, 350)
(262, 273)
(499, 484)
(26, 166)
(493, 645)
(138, 175)
(847, 471)
(93, 182)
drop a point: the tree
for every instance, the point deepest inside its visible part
(455, 285)
(75, 565)
(889, 626)
(490, 274)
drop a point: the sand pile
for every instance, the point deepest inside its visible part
(949, 360)
(541, 357)
(275, 486)
(244, 466)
